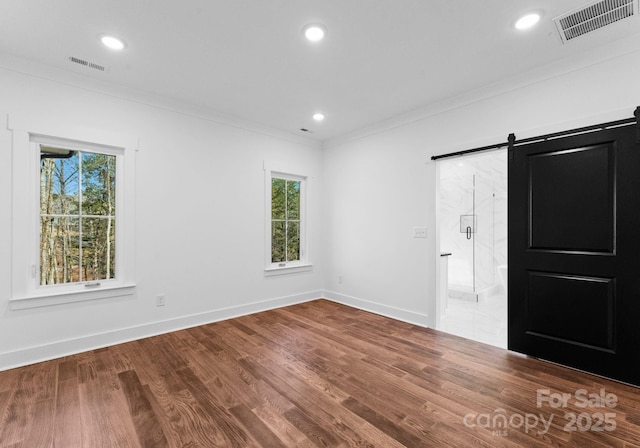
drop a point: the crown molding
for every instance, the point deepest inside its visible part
(580, 61)
(70, 78)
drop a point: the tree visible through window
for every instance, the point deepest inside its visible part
(285, 220)
(77, 216)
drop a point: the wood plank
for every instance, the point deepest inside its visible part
(229, 430)
(144, 420)
(40, 425)
(67, 370)
(30, 404)
(320, 400)
(385, 425)
(256, 427)
(14, 419)
(272, 411)
(105, 419)
(314, 374)
(314, 431)
(68, 419)
(183, 421)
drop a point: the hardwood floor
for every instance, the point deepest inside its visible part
(316, 374)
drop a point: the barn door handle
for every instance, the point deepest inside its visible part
(468, 232)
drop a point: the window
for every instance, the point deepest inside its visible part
(286, 226)
(72, 218)
(285, 220)
(77, 216)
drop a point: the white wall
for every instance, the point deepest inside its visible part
(200, 191)
(199, 225)
(382, 184)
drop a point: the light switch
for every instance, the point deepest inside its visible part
(419, 232)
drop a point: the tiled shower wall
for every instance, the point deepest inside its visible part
(480, 180)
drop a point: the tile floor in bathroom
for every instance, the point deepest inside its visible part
(483, 321)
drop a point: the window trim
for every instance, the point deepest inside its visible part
(28, 133)
(304, 263)
(36, 142)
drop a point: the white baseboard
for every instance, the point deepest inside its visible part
(378, 308)
(46, 352)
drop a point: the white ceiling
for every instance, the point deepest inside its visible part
(249, 59)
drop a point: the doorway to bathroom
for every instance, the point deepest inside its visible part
(472, 217)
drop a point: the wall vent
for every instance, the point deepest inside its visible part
(87, 63)
(593, 16)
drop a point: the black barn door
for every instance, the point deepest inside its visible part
(574, 252)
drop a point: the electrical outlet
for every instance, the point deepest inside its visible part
(339, 279)
(160, 300)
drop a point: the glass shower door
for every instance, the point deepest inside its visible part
(468, 231)
(457, 234)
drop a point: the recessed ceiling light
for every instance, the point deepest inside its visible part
(318, 117)
(527, 21)
(315, 32)
(113, 42)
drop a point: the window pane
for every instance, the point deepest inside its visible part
(293, 199)
(278, 198)
(285, 220)
(77, 208)
(59, 250)
(98, 184)
(278, 241)
(293, 241)
(58, 181)
(98, 249)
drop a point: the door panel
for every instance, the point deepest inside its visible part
(568, 189)
(552, 302)
(574, 252)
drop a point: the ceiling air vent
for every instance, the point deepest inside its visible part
(87, 63)
(594, 16)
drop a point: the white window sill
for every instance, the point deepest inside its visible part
(60, 298)
(291, 269)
